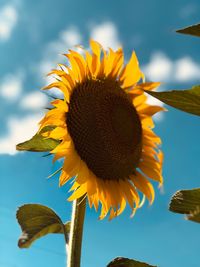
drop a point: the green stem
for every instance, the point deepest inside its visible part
(76, 231)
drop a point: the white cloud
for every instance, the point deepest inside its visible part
(67, 39)
(186, 70)
(188, 10)
(8, 20)
(71, 36)
(19, 130)
(159, 68)
(34, 101)
(45, 66)
(107, 34)
(11, 86)
(162, 68)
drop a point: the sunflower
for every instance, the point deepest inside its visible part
(104, 126)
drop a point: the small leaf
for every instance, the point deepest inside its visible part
(38, 143)
(185, 100)
(191, 30)
(37, 221)
(125, 262)
(195, 215)
(187, 202)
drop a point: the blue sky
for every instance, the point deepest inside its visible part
(33, 34)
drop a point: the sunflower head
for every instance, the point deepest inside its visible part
(104, 126)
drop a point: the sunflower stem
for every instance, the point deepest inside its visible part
(76, 231)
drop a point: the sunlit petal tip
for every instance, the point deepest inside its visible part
(112, 214)
(95, 43)
(79, 46)
(143, 77)
(50, 73)
(62, 181)
(102, 216)
(149, 86)
(79, 192)
(74, 186)
(133, 212)
(142, 202)
(161, 187)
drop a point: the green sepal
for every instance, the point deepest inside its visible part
(37, 221)
(39, 143)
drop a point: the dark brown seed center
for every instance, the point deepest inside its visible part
(105, 128)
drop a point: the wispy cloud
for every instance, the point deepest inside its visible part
(162, 68)
(8, 20)
(66, 39)
(34, 101)
(186, 69)
(188, 10)
(107, 34)
(159, 67)
(11, 86)
(19, 130)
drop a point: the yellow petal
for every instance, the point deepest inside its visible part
(139, 100)
(96, 48)
(89, 64)
(151, 110)
(62, 154)
(131, 74)
(91, 184)
(62, 105)
(58, 133)
(102, 65)
(147, 157)
(82, 190)
(81, 64)
(154, 174)
(62, 147)
(95, 202)
(58, 85)
(143, 185)
(83, 174)
(74, 66)
(64, 178)
(109, 62)
(147, 122)
(122, 206)
(148, 85)
(130, 193)
(71, 167)
(118, 63)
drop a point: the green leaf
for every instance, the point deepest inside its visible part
(195, 215)
(191, 30)
(185, 100)
(37, 221)
(187, 202)
(125, 262)
(38, 143)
